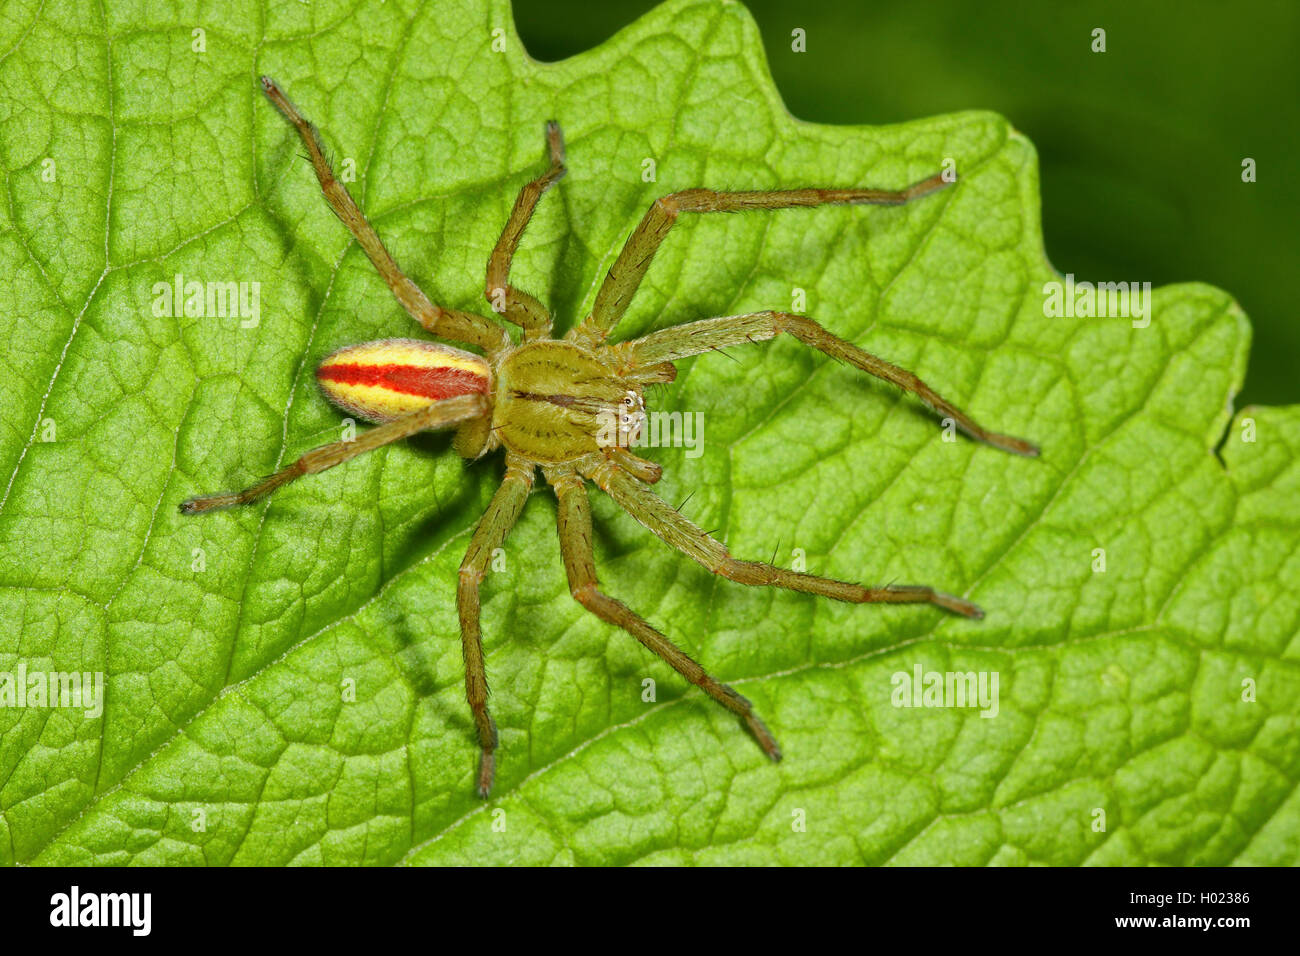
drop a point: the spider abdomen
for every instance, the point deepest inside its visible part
(386, 379)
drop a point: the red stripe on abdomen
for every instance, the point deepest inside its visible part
(430, 383)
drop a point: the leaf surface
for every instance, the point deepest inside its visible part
(1147, 713)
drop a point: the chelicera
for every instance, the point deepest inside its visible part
(572, 407)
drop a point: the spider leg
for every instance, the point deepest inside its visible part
(630, 267)
(681, 533)
(516, 305)
(647, 471)
(574, 519)
(501, 515)
(442, 414)
(445, 323)
(694, 338)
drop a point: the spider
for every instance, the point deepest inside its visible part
(572, 407)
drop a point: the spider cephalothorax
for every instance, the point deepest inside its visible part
(572, 408)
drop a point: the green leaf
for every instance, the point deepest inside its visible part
(1161, 695)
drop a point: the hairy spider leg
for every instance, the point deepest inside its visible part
(515, 304)
(502, 513)
(648, 471)
(681, 533)
(625, 275)
(445, 323)
(442, 414)
(694, 338)
(574, 520)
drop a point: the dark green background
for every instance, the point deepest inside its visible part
(1141, 146)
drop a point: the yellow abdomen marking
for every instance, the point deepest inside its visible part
(383, 380)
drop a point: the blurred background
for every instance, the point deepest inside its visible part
(1141, 147)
